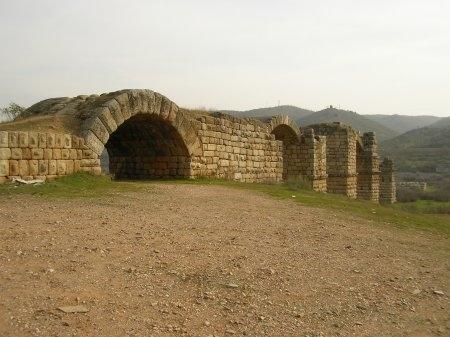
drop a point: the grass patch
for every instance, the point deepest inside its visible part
(401, 215)
(388, 214)
(426, 207)
(73, 186)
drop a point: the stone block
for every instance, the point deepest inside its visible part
(48, 154)
(43, 167)
(76, 165)
(4, 168)
(52, 167)
(13, 139)
(67, 141)
(42, 138)
(73, 154)
(37, 153)
(59, 141)
(34, 167)
(69, 167)
(57, 154)
(75, 142)
(5, 153)
(14, 168)
(26, 153)
(23, 139)
(16, 153)
(51, 140)
(61, 167)
(4, 142)
(65, 154)
(24, 168)
(33, 140)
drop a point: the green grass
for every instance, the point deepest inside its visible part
(388, 214)
(74, 186)
(426, 207)
(84, 185)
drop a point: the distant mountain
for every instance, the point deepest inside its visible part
(289, 110)
(403, 123)
(358, 122)
(441, 123)
(423, 150)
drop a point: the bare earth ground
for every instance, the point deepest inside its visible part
(183, 260)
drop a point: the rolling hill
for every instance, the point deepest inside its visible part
(403, 123)
(421, 150)
(441, 123)
(289, 110)
(358, 122)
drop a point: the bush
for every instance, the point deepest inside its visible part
(11, 112)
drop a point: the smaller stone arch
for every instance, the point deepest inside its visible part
(286, 130)
(284, 127)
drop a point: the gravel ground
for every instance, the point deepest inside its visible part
(183, 260)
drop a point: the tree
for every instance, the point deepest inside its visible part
(11, 112)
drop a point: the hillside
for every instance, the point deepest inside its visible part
(441, 123)
(423, 150)
(289, 110)
(403, 123)
(358, 122)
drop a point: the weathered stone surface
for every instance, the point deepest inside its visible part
(43, 167)
(33, 167)
(148, 136)
(5, 153)
(42, 138)
(13, 139)
(52, 167)
(33, 140)
(4, 168)
(14, 168)
(24, 168)
(3, 139)
(23, 139)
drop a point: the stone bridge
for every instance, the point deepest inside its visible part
(147, 136)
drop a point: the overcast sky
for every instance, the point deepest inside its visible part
(369, 56)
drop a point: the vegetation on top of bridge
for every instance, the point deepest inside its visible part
(83, 185)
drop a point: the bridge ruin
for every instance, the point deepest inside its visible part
(147, 136)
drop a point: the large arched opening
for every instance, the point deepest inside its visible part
(147, 146)
(286, 134)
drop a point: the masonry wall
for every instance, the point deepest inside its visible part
(237, 149)
(340, 158)
(330, 157)
(33, 155)
(305, 159)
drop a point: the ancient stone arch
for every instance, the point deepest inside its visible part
(283, 127)
(145, 133)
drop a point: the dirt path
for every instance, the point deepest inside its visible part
(181, 260)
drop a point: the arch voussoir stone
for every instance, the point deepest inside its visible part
(284, 120)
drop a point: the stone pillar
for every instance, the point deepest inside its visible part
(314, 167)
(341, 160)
(387, 184)
(368, 181)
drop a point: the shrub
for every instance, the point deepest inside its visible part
(11, 112)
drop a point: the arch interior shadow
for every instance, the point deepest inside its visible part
(147, 147)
